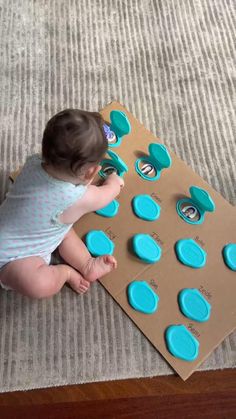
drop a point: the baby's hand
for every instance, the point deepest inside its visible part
(115, 178)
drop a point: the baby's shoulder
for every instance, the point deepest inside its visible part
(33, 158)
(29, 171)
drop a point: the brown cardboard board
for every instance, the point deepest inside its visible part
(168, 277)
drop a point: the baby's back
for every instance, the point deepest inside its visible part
(28, 216)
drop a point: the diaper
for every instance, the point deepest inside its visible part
(5, 287)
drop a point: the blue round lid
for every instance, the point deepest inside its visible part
(118, 162)
(229, 253)
(202, 198)
(120, 123)
(142, 298)
(160, 155)
(181, 343)
(146, 248)
(109, 210)
(146, 208)
(99, 244)
(190, 253)
(193, 305)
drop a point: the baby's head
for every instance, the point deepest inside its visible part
(74, 143)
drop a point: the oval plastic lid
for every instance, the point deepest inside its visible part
(190, 253)
(146, 208)
(160, 155)
(109, 210)
(120, 123)
(142, 298)
(146, 248)
(193, 305)
(118, 162)
(181, 343)
(99, 244)
(202, 198)
(229, 253)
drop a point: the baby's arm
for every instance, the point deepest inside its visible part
(96, 197)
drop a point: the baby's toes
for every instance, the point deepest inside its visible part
(82, 290)
(110, 260)
(84, 286)
(85, 283)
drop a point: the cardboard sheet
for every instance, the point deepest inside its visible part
(168, 277)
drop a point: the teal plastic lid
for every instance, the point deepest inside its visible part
(117, 161)
(142, 297)
(120, 123)
(229, 254)
(146, 248)
(181, 343)
(190, 253)
(98, 243)
(202, 198)
(146, 208)
(109, 210)
(193, 305)
(160, 155)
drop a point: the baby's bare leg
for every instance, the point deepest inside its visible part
(33, 278)
(74, 252)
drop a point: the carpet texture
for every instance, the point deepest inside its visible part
(172, 64)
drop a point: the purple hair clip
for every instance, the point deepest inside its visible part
(110, 135)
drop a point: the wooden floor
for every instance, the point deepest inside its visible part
(204, 395)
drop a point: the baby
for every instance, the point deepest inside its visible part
(51, 193)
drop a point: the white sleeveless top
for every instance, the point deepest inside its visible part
(29, 223)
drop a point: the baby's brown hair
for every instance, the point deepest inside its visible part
(73, 138)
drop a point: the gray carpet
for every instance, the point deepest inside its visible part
(172, 63)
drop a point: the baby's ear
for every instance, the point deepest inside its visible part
(91, 172)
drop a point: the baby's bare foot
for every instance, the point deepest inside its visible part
(77, 282)
(98, 267)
